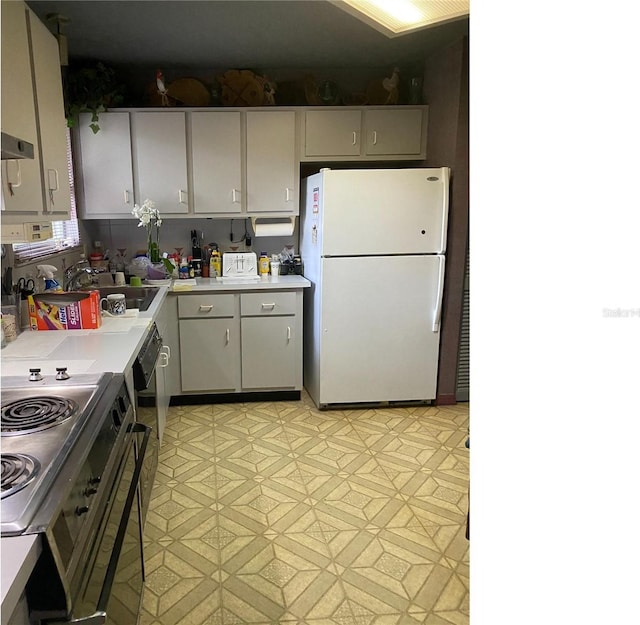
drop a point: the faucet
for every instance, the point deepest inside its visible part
(80, 275)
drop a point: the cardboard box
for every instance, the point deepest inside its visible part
(73, 310)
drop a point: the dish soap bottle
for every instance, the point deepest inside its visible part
(263, 263)
(215, 269)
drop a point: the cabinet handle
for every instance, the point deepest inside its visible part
(269, 306)
(354, 138)
(227, 336)
(55, 186)
(235, 196)
(206, 307)
(126, 197)
(288, 193)
(181, 199)
(288, 334)
(52, 187)
(166, 356)
(18, 182)
(375, 137)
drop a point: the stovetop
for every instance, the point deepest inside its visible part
(41, 422)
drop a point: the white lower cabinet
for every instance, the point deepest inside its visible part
(269, 340)
(240, 342)
(209, 354)
(209, 330)
(269, 352)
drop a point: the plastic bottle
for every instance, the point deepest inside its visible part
(263, 264)
(183, 273)
(47, 272)
(215, 269)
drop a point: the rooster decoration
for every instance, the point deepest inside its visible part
(162, 90)
(391, 85)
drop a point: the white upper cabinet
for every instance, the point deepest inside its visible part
(328, 133)
(242, 162)
(105, 173)
(365, 134)
(159, 142)
(272, 166)
(21, 181)
(52, 122)
(216, 148)
(393, 132)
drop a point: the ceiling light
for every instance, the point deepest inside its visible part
(398, 17)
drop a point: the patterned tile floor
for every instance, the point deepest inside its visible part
(269, 513)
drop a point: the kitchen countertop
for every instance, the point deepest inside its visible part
(112, 347)
(237, 284)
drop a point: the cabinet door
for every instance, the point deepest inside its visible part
(21, 182)
(332, 133)
(210, 354)
(160, 156)
(269, 352)
(272, 170)
(394, 131)
(105, 157)
(51, 119)
(216, 141)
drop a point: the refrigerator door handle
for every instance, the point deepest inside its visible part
(445, 208)
(437, 313)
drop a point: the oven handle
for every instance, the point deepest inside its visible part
(99, 617)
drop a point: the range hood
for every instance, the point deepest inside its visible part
(12, 148)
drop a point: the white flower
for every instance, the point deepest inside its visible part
(149, 216)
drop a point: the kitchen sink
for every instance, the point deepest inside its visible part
(139, 297)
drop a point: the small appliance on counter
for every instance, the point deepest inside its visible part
(240, 266)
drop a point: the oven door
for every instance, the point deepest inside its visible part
(113, 580)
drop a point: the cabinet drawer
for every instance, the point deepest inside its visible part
(266, 303)
(206, 306)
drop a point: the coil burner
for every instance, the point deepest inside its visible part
(18, 470)
(34, 414)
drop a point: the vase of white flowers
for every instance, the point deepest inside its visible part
(149, 217)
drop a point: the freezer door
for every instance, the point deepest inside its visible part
(379, 331)
(384, 211)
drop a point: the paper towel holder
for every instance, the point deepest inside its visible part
(273, 226)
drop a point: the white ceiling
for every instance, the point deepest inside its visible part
(236, 34)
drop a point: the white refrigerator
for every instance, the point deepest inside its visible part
(373, 244)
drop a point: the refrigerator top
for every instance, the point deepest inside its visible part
(378, 211)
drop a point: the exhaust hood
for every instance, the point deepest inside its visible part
(12, 148)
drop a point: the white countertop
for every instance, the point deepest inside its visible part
(238, 284)
(112, 347)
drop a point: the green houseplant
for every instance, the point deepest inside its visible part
(90, 88)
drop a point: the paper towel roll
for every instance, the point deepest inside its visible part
(273, 228)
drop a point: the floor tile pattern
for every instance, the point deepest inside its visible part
(275, 512)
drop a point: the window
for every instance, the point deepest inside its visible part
(65, 233)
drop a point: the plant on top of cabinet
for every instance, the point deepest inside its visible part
(93, 89)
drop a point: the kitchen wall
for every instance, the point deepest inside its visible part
(124, 233)
(447, 82)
